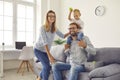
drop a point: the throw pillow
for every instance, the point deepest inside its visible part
(57, 52)
(89, 66)
(105, 71)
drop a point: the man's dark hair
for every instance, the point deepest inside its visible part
(78, 26)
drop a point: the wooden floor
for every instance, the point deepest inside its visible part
(13, 75)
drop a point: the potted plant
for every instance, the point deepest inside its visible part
(59, 41)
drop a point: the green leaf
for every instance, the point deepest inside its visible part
(59, 41)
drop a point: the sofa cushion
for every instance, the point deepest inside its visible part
(89, 66)
(108, 55)
(97, 79)
(38, 65)
(90, 57)
(105, 71)
(114, 77)
(57, 52)
(81, 76)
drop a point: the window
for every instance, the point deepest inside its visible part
(28, 0)
(6, 22)
(17, 21)
(25, 23)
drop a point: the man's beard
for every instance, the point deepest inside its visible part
(73, 34)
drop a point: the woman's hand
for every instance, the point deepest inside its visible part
(82, 44)
(52, 60)
(68, 33)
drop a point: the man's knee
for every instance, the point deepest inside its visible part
(74, 70)
(55, 66)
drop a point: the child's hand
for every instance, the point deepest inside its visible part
(70, 9)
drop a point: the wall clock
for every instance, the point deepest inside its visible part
(99, 10)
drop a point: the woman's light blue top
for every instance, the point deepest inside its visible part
(46, 38)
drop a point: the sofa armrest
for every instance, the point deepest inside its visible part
(105, 71)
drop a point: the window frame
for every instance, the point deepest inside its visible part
(14, 23)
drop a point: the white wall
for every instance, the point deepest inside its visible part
(104, 30)
(47, 5)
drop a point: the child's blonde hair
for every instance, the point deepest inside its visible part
(77, 10)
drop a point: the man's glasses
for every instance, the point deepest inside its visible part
(72, 28)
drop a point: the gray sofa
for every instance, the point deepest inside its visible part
(105, 65)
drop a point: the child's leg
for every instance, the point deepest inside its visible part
(67, 46)
(69, 39)
(80, 36)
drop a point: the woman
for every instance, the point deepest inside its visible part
(43, 45)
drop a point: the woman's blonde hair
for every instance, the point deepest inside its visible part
(47, 26)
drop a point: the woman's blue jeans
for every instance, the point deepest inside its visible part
(43, 58)
(58, 67)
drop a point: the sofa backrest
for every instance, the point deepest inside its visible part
(108, 55)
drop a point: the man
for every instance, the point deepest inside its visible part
(79, 51)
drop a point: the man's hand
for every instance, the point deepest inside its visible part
(82, 44)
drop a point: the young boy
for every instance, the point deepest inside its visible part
(80, 23)
(76, 19)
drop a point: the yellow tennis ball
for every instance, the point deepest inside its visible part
(70, 9)
(94, 62)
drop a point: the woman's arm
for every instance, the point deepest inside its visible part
(60, 34)
(65, 35)
(51, 58)
(43, 40)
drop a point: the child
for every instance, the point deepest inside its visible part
(76, 19)
(80, 23)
